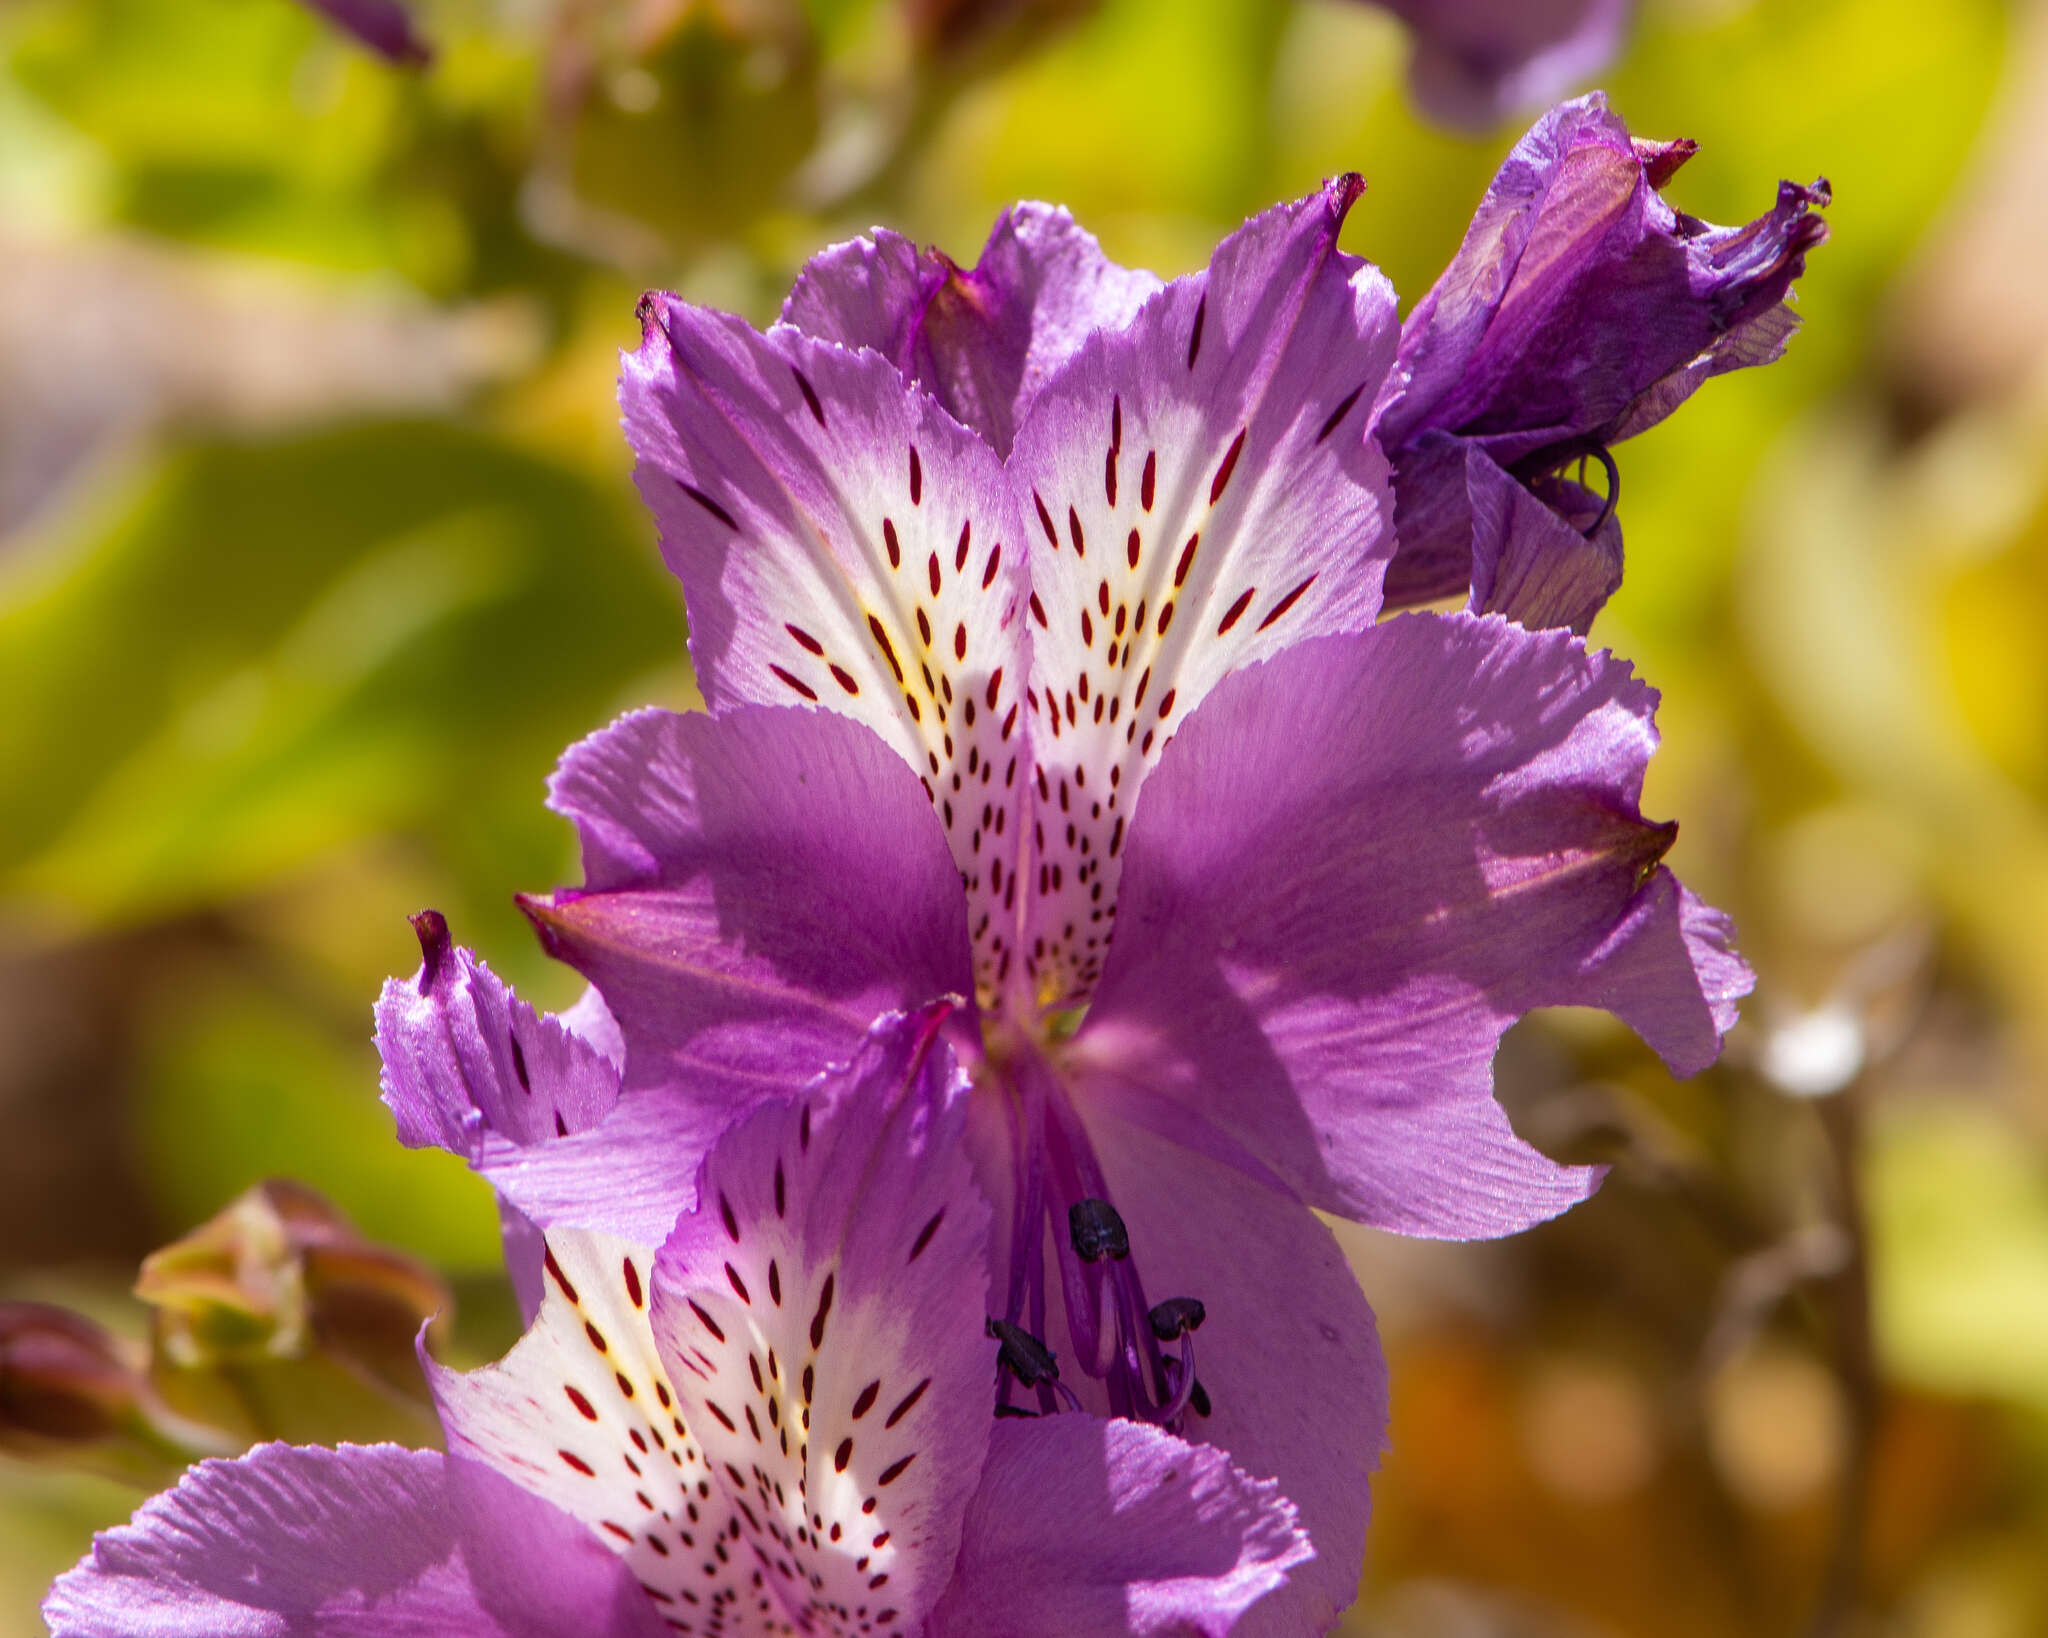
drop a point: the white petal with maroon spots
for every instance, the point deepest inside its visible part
(1199, 492)
(845, 543)
(822, 1312)
(582, 1414)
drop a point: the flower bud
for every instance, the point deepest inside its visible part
(63, 1380)
(281, 1274)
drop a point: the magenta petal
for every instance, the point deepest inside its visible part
(842, 542)
(360, 1542)
(464, 1057)
(1102, 1529)
(983, 340)
(1360, 863)
(821, 1316)
(760, 887)
(1199, 492)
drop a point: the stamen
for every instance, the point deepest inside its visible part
(1114, 1334)
(1176, 1317)
(1022, 1354)
(1030, 1361)
(1097, 1231)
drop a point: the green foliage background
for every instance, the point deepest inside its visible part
(288, 648)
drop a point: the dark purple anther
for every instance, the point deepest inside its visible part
(1023, 1355)
(1097, 1231)
(1176, 1317)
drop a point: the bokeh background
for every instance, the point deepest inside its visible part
(317, 545)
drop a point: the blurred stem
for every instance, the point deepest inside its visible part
(1855, 1366)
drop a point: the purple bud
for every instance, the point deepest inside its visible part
(1580, 310)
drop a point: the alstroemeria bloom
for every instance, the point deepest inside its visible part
(1085, 638)
(1478, 62)
(777, 1425)
(1580, 310)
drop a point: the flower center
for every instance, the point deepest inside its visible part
(1065, 1231)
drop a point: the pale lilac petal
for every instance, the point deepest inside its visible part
(524, 1250)
(1478, 62)
(1099, 1529)
(1289, 1354)
(361, 1542)
(981, 340)
(821, 1314)
(1199, 492)
(760, 886)
(843, 542)
(385, 26)
(581, 1414)
(1361, 863)
(627, 1176)
(464, 1057)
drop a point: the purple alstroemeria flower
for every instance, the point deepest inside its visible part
(778, 1424)
(973, 706)
(1478, 62)
(385, 26)
(1580, 310)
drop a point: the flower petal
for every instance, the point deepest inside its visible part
(1362, 861)
(1578, 289)
(1096, 1529)
(1200, 493)
(1543, 556)
(981, 341)
(759, 887)
(822, 1314)
(1289, 1355)
(842, 542)
(581, 1413)
(360, 1542)
(464, 1057)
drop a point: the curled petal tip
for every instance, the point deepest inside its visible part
(1661, 161)
(431, 927)
(1342, 192)
(649, 315)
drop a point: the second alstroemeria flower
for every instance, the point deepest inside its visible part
(777, 1425)
(1103, 656)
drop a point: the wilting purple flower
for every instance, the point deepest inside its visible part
(1478, 62)
(1580, 310)
(939, 676)
(777, 1424)
(385, 26)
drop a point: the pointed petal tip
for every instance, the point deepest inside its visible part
(431, 928)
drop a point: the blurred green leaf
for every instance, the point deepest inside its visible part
(279, 649)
